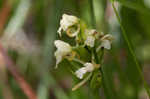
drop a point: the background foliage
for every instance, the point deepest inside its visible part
(29, 27)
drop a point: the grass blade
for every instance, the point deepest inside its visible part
(93, 20)
(131, 50)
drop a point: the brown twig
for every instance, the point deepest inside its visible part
(4, 14)
(19, 78)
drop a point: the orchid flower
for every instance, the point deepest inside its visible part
(63, 49)
(66, 23)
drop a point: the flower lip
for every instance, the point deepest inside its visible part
(80, 73)
(106, 44)
(73, 33)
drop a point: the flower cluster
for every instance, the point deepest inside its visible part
(88, 39)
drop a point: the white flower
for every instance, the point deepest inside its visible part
(88, 67)
(80, 73)
(108, 37)
(106, 41)
(90, 31)
(63, 49)
(90, 40)
(106, 44)
(66, 22)
(90, 37)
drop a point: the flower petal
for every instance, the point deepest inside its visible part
(80, 72)
(108, 37)
(90, 40)
(58, 58)
(63, 49)
(106, 44)
(89, 67)
(62, 46)
(66, 22)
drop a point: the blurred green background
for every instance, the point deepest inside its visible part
(28, 29)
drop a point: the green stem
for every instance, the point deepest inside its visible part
(101, 56)
(93, 20)
(131, 50)
(79, 61)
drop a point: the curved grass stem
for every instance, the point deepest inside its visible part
(131, 50)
